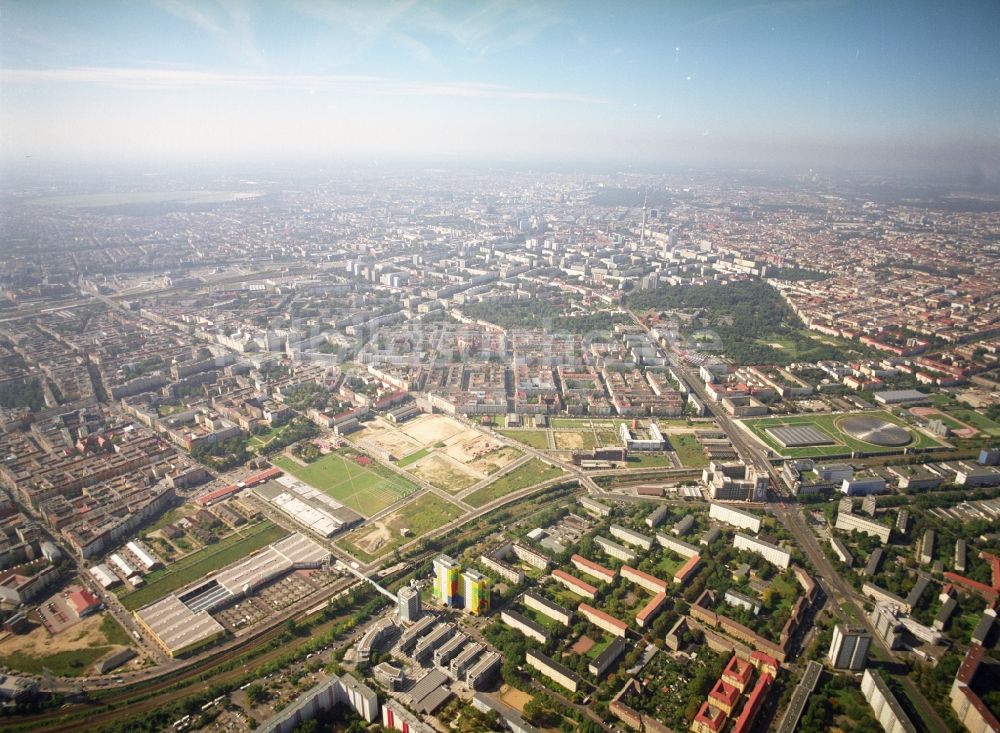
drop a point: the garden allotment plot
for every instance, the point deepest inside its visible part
(367, 489)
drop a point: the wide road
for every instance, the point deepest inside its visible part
(847, 605)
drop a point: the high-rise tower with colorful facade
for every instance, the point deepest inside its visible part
(446, 580)
(477, 592)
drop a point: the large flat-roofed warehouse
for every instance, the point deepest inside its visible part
(430, 692)
(896, 396)
(308, 506)
(181, 623)
(177, 628)
(799, 436)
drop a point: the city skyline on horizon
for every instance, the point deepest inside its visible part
(824, 84)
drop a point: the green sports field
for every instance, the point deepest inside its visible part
(365, 489)
(977, 420)
(843, 443)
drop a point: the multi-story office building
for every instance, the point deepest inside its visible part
(408, 604)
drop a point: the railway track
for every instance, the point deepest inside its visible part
(69, 718)
(124, 703)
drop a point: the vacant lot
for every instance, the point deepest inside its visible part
(538, 439)
(573, 440)
(582, 645)
(443, 473)
(365, 489)
(583, 422)
(531, 473)
(68, 654)
(958, 427)
(425, 513)
(413, 457)
(431, 429)
(199, 564)
(608, 438)
(514, 697)
(495, 460)
(468, 447)
(649, 460)
(689, 450)
(385, 436)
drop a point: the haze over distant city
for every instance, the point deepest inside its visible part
(804, 84)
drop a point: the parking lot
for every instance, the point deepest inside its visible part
(56, 614)
(273, 599)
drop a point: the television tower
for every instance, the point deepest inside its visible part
(642, 236)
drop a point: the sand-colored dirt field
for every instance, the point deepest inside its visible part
(569, 440)
(440, 471)
(469, 447)
(493, 462)
(383, 435)
(430, 429)
(514, 697)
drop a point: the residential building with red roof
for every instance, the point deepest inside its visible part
(708, 720)
(738, 673)
(603, 620)
(647, 581)
(650, 610)
(753, 704)
(765, 663)
(688, 569)
(576, 585)
(593, 569)
(724, 696)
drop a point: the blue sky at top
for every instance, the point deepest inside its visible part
(811, 82)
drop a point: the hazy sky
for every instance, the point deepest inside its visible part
(812, 83)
